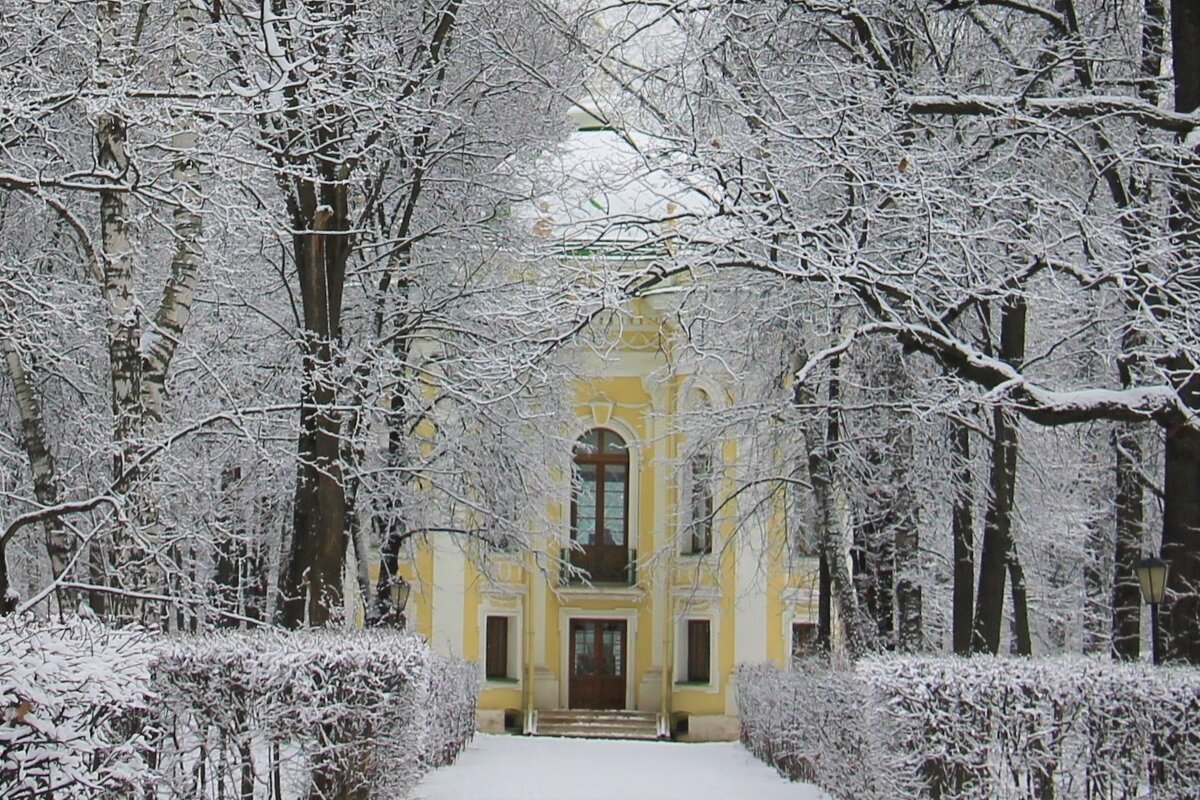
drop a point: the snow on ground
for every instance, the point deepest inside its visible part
(524, 768)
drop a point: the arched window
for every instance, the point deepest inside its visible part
(600, 503)
(600, 506)
(700, 503)
(698, 488)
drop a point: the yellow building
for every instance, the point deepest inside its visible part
(650, 585)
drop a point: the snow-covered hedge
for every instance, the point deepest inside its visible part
(74, 698)
(266, 714)
(453, 691)
(959, 729)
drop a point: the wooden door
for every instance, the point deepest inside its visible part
(597, 678)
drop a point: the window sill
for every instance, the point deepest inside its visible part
(709, 687)
(696, 554)
(600, 591)
(502, 683)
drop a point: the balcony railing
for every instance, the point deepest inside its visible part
(598, 564)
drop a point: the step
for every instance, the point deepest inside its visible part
(566, 732)
(598, 724)
(589, 715)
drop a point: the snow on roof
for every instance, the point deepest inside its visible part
(607, 192)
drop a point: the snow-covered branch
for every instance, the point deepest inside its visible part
(1042, 404)
(1085, 107)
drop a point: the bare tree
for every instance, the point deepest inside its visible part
(925, 162)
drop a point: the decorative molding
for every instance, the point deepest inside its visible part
(602, 409)
(576, 593)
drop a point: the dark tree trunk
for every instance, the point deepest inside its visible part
(1181, 523)
(47, 486)
(391, 531)
(1130, 517)
(381, 609)
(1130, 536)
(906, 536)
(824, 604)
(1022, 644)
(8, 598)
(1012, 349)
(885, 588)
(999, 556)
(1181, 485)
(989, 601)
(312, 578)
(963, 530)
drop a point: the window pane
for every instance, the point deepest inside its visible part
(613, 444)
(698, 650)
(497, 647)
(584, 645)
(612, 650)
(589, 443)
(585, 505)
(701, 505)
(614, 504)
(804, 640)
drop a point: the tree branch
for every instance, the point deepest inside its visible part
(1084, 108)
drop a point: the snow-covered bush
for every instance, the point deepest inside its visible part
(344, 714)
(814, 725)
(91, 712)
(453, 691)
(75, 699)
(968, 729)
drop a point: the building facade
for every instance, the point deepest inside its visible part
(651, 583)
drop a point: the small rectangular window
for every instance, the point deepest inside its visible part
(804, 640)
(698, 651)
(496, 656)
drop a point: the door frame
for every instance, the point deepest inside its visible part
(599, 691)
(629, 617)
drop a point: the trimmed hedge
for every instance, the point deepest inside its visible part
(453, 691)
(969, 729)
(263, 714)
(72, 697)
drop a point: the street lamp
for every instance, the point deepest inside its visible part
(400, 589)
(1152, 577)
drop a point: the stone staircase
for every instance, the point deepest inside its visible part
(586, 724)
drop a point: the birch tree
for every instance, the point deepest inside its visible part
(93, 196)
(352, 168)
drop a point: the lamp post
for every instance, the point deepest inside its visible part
(1152, 578)
(400, 589)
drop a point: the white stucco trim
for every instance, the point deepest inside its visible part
(679, 679)
(750, 599)
(516, 640)
(449, 595)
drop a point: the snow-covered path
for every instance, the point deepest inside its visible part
(521, 768)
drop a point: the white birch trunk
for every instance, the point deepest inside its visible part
(162, 339)
(124, 563)
(120, 300)
(46, 486)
